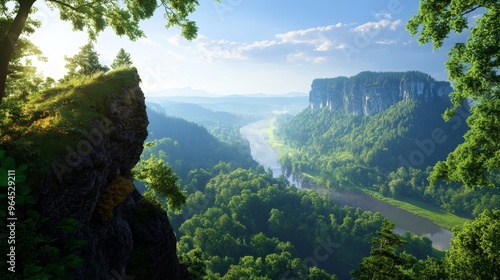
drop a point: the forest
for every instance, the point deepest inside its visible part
(95, 184)
(341, 151)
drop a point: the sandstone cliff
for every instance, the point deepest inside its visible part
(89, 180)
(369, 93)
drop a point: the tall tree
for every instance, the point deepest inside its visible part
(85, 62)
(475, 249)
(473, 68)
(94, 17)
(383, 262)
(121, 59)
(22, 75)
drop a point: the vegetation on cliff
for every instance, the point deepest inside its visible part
(40, 129)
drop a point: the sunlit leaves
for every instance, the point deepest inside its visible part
(475, 249)
(124, 17)
(160, 181)
(474, 70)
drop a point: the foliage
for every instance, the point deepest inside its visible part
(249, 224)
(85, 62)
(339, 151)
(473, 68)
(385, 140)
(383, 262)
(475, 249)
(122, 59)
(195, 262)
(37, 256)
(112, 196)
(187, 146)
(40, 130)
(161, 182)
(122, 16)
(22, 77)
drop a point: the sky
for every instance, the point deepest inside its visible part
(257, 46)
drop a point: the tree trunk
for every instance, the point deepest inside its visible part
(9, 41)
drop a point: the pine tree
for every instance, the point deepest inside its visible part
(86, 62)
(121, 59)
(383, 262)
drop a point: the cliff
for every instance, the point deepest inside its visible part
(90, 134)
(369, 93)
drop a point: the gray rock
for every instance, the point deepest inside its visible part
(110, 148)
(369, 93)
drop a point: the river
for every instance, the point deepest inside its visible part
(403, 220)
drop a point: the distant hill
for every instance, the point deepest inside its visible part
(378, 119)
(186, 145)
(257, 106)
(198, 114)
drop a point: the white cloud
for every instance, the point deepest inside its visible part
(311, 45)
(319, 37)
(376, 26)
(259, 45)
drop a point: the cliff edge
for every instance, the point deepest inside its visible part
(90, 134)
(369, 93)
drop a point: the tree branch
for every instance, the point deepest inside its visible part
(65, 5)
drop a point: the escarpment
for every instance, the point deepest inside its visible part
(369, 93)
(90, 180)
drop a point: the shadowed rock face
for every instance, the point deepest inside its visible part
(109, 149)
(369, 93)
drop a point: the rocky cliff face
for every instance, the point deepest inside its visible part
(82, 185)
(369, 93)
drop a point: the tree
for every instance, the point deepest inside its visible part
(475, 249)
(22, 75)
(121, 59)
(160, 182)
(94, 17)
(195, 262)
(86, 62)
(383, 262)
(473, 68)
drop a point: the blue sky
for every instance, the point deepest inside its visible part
(257, 46)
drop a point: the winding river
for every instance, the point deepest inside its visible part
(404, 221)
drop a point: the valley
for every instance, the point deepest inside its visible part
(261, 140)
(264, 154)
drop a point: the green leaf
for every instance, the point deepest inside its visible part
(22, 168)
(3, 177)
(73, 261)
(8, 163)
(75, 244)
(33, 214)
(68, 225)
(32, 269)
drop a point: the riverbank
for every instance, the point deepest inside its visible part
(429, 212)
(432, 213)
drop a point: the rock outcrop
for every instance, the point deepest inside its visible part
(90, 178)
(369, 93)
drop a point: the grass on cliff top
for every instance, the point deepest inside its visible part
(58, 117)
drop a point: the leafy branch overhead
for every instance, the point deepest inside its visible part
(93, 17)
(474, 69)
